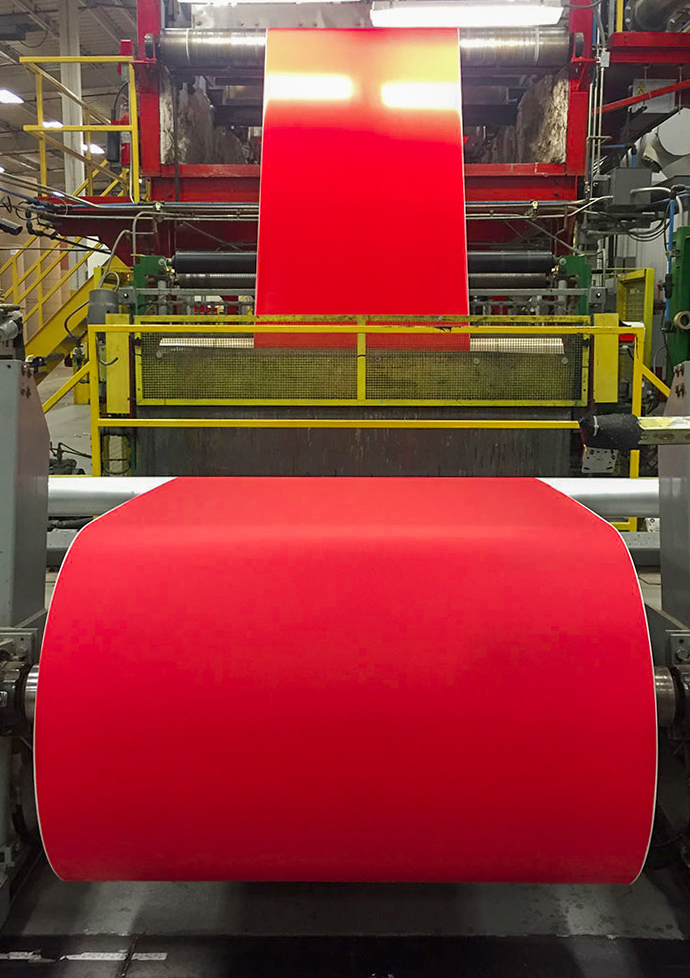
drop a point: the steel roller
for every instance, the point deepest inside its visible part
(610, 498)
(522, 47)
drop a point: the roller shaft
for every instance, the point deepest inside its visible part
(190, 48)
(216, 281)
(482, 281)
(523, 47)
(610, 498)
(194, 262)
(510, 261)
(478, 262)
(30, 688)
(667, 701)
(518, 47)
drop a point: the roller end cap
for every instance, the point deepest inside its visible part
(613, 431)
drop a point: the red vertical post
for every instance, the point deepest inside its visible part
(580, 19)
(148, 83)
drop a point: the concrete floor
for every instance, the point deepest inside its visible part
(67, 422)
(172, 930)
(657, 906)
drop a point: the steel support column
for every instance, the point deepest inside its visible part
(70, 76)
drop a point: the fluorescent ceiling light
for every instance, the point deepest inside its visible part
(9, 98)
(477, 13)
(92, 148)
(52, 124)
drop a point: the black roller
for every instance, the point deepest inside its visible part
(510, 261)
(495, 281)
(477, 261)
(201, 262)
(654, 15)
(217, 282)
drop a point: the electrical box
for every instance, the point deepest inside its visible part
(625, 180)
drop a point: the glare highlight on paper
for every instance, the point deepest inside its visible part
(308, 88)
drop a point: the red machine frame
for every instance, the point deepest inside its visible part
(484, 182)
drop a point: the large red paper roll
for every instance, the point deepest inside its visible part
(347, 679)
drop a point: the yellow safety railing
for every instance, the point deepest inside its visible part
(663, 388)
(94, 121)
(28, 286)
(635, 301)
(69, 385)
(606, 328)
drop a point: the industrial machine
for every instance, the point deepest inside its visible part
(30, 497)
(192, 249)
(184, 379)
(550, 191)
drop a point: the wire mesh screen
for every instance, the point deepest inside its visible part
(183, 368)
(634, 301)
(496, 368)
(189, 369)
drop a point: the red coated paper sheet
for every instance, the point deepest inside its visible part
(346, 679)
(362, 205)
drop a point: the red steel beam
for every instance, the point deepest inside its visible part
(645, 47)
(624, 103)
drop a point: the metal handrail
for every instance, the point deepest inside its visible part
(40, 270)
(361, 326)
(103, 124)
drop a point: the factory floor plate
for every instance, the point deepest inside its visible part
(223, 930)
(355, 957)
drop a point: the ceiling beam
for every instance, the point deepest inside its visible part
(39, 18)
(104, 20)
(129, 16)
(123, 8)
(9, 52)
(46, 23)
